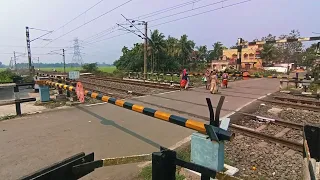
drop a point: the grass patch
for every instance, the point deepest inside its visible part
(146, 174)
(183, 153)
(51, 104)
(108, 69)
(7, 117)
(2, 69)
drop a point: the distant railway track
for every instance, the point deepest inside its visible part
(145, 84)
(113, 88)
(296, 100)
(315, 108)
(118, 80)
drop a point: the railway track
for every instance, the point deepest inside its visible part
(294, 103)
(145, 84)
(298, 146)
(118, 80)
(311, 105)
(296, 100)
(112, 88)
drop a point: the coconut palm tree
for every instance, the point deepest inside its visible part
(186, 47)
(157, 45)
(202, 52)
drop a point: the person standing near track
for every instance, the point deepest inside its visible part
(207, 76)
(213, 82)
(184, 82)
(225, 80)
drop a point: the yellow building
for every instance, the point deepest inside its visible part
(250, 56)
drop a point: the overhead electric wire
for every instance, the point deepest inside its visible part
(207, 5)
(109, 38)
(96, 38)
(90, 21)
(106, 30)
(79, 15)
(130, 31)
(167, 9)
(201, 13)
(185, 17)
(39, 29)
(40, 36)
(150, 15)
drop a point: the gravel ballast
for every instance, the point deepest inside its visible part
(258, 159)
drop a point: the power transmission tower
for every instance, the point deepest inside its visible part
(15, 60)
(77, 58)
(11, 64)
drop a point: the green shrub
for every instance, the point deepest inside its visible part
(8, 76)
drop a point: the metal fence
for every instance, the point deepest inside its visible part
(17, 101)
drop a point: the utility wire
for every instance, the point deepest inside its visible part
(171, 14)
(79, 15)
(167, 9)
(96, 38)
(108, 38)
(130, 31)
(207, 5)
(90, 21)
(242, 2)
(102, 32)
(134, 25)
(40, 29)
(151, 14)
(41, 36)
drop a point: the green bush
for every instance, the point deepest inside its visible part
(90, 68)
(8, 76)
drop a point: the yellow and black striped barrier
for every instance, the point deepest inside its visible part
(181, 121)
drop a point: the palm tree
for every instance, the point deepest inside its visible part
(158, 45)
(202, 52)
(173, 48)
(186, 47)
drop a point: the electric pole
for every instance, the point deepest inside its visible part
(239, 53)
(28, 48)
(145, 37)
(63, 57)
(64, 61)
(145, 50)
(15, 60)
(39, 63)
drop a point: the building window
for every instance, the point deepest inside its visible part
(245, 56)
(251, 56)
(247, 66)
(234, 56)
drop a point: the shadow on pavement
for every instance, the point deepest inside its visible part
(107, 122)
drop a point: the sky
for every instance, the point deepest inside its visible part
(225, 23)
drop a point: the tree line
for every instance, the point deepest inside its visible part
(167, 54)
(289, 52)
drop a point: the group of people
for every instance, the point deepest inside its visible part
(210, 80)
